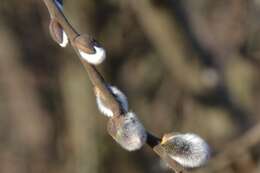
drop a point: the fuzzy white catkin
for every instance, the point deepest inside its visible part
(104, 109)
(132, 134)
(121, 98)
(96, 58)
(190, 150)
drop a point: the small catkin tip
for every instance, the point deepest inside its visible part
(57, 33)
(65, 40)
(189, 150)
(96, 58)
(132, 134)
(120, 96)
(103, 108)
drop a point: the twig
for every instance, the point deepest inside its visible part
(95, 77)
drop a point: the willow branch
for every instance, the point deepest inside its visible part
(99, 83)
(96, 79)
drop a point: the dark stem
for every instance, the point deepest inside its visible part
(152, 140)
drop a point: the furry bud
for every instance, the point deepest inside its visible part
(104, 107)
(58, 33)
(120, 97)
(128, 131)
(189, 150)
(90, 50)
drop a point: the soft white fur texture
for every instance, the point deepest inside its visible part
(132, 135)
(121, 98)
(65, 39)
(96, 58)
(103, 108)
(195, 152)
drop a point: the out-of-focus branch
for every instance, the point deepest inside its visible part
(234, 150)
(249, 139)
(30, 126)
(81, 126)
(169, 42)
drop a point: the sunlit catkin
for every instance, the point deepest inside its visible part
(189, 150)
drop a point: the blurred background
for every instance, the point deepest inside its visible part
(185, 65)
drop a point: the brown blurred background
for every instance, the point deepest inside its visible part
(185, 65)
